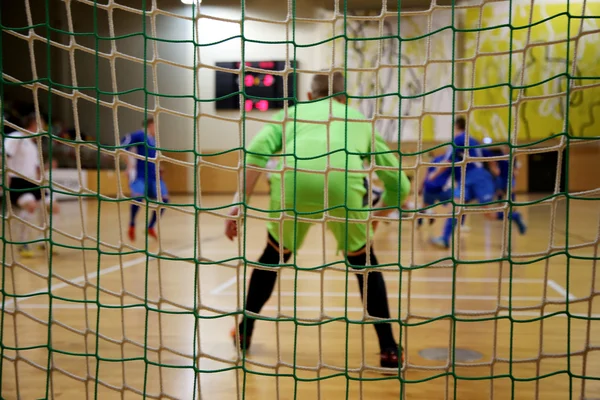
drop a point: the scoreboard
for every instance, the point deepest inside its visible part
(266, 89)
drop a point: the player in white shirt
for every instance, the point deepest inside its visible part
(23, 171)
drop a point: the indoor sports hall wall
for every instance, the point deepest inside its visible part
(427, 68)
(538, 118)
(545, 64)
(173, 74)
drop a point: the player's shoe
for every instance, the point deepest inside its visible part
(465, 228)
(391, 358)
(25, 251)
(440, 242)
(152, 233)
(131, 233)
(244, 341)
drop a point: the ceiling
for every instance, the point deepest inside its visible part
(392, 5)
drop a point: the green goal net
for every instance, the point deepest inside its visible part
(92, 308)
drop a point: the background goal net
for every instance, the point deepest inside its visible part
(499, 314)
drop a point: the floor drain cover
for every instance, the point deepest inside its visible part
(440, 354)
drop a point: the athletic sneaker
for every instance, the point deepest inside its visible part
(244, 341)
(152, 233)
(440, 242)
(391, 358)
(131, 233)
(25, 251)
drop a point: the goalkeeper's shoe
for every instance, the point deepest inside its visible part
(242, 341)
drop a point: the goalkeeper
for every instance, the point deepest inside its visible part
(305, 146)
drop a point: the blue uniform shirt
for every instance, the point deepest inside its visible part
(144, 145)
(438, 183)
(503, 178)
(456, 154)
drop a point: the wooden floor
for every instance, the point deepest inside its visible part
(492, 307)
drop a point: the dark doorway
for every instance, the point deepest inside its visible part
(542, 172)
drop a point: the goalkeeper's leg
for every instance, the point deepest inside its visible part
(376, 294)
(264, 276)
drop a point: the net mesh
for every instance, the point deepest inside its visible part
(109, 318)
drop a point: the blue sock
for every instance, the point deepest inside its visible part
(154, 217)
(518, 219)
(516, 216)
(463, 219)
(134, 210)
(448, 229)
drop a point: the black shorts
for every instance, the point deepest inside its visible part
(18, 187)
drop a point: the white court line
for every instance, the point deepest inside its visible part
(82, 278)
(311, 252)
(414, 296)
(225, 285)
(434, 312)
(339, 277)
(219, 289)
(443, 279)
(560, 290)
(420, 311)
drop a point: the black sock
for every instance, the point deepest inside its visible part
(134, 210)
(261, 286)
(377, 301)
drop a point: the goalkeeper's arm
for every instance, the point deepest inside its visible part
(266, 143)
(395, 181)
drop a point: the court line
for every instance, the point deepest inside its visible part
(82, 278)
(413, 296)
(560, 290)
(551, 283)
(303, 252)
(436, 312)
(225, 285)
(338, 277)
(420, 311)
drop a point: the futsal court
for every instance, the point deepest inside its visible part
(95, 314)
(497, 309)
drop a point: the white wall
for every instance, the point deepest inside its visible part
(426, 67)
(176, 132)
(216, 134)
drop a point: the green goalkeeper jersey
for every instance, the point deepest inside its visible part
(325, 136)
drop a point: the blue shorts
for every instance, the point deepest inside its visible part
(431, 197)
(483, 190)
(502, 184)
(141, 187)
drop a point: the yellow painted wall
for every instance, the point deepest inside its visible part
(542, 68)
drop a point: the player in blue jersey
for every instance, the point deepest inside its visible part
(502, 187)
(479, 182)
(435, 188)
(143, 174)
